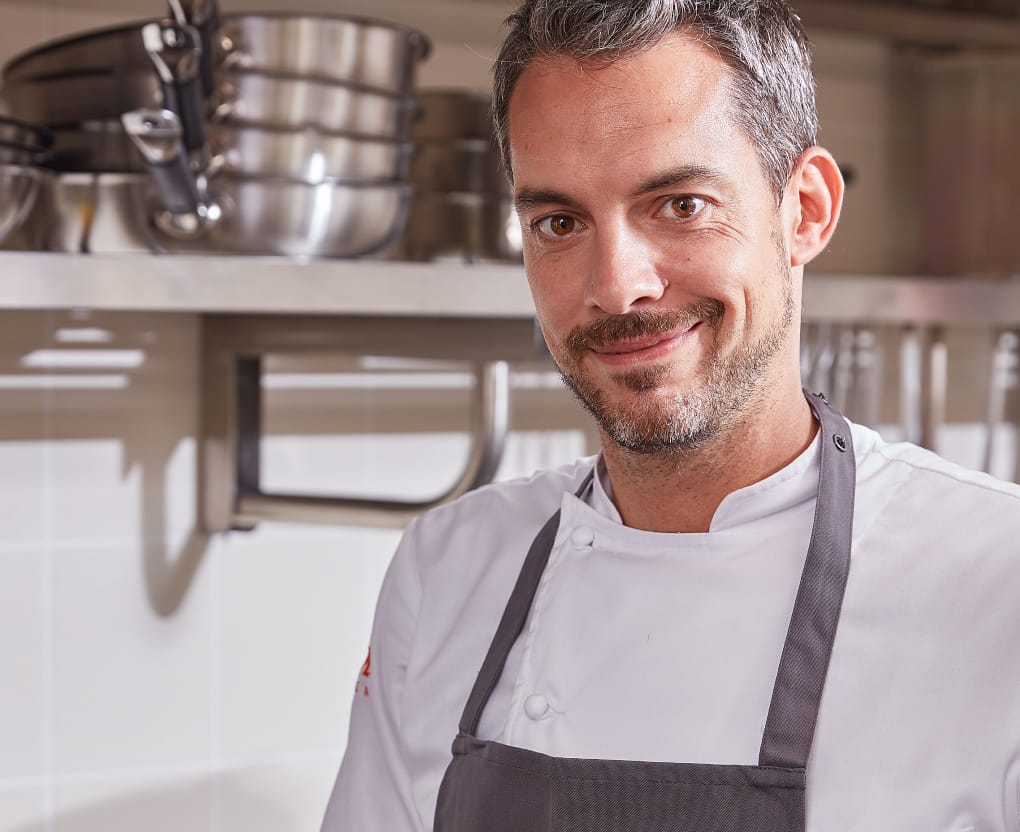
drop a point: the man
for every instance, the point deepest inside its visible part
(746, 614)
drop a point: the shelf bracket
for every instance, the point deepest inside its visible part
(234, 347)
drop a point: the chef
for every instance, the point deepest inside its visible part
(745, 613)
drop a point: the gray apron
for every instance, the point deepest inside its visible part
(491, 787)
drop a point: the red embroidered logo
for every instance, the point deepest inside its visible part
(366, 672)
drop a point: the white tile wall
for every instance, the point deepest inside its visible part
(155, 802)
(25, 663)
(160, 681)
(131, 686)
(22, 808)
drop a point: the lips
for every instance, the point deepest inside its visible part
(643, 349)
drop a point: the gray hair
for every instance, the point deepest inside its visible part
(762, 42)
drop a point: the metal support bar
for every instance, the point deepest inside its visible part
(490, 420)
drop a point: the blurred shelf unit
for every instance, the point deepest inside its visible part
(273, 287)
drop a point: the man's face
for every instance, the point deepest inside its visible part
(653, 243)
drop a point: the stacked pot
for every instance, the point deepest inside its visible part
(462, 207)
(259, 134)
(23, 150)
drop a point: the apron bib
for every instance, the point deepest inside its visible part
(490, 787)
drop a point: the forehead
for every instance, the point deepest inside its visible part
(670, 105)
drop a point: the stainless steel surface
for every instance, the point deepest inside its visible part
(115, 213)
(229, 489)
(93, 212)
(308, 155)
(464, 226)
(155, 133)
(19, 186)
(452, 114)
(96, 51)
(490, 421)
(65, 100)
(364, 52)
(1002, 378)
(462, 165)
(294, 219)
(275, 100)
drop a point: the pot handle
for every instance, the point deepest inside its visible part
(203, 15)
(159, 138)
(176, 52)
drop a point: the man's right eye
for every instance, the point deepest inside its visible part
(556, 226)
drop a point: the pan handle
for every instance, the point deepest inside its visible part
(159, 138)
(176, 52)
(204, 16)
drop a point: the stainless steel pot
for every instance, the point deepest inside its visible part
(472, 166)
(276, 100)
(93, 212)
(97, 51)
(308, 155)
(19, 186)
(370, 54)
(471, 227)
(113, 213)
(452, 114)
(63, 100)
(330, 219)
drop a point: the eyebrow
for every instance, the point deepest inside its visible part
(682, 176)
(528, 198)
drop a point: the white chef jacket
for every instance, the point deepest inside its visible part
(665, 647)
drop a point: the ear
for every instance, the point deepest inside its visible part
(814, 196)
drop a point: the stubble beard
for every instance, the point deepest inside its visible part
(653, 420)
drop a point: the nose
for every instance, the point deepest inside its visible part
(623, 275)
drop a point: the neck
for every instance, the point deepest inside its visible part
(680, 490)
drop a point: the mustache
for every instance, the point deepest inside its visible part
(648, 323)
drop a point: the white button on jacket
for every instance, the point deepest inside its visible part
(665, 647)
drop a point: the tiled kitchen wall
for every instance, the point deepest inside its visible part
(158, 680)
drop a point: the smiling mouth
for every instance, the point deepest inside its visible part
(644, 348)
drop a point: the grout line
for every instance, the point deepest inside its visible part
(215, 552)
(48, 606)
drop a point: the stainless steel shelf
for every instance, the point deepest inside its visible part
(261, 285)
(277, 286)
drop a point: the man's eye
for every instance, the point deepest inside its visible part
(558, 225)
(682, 207)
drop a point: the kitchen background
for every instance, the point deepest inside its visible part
(160, 679)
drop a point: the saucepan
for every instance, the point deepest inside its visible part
(118, 212)
(452, 115)
(308, 155)
(370, 54)
(62, 100)
(19, 185)
(265, 98)
(463, 226)
(94, 52)
(463, 165)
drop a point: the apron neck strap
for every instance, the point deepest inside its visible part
(797, 696)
